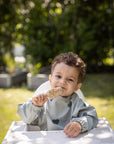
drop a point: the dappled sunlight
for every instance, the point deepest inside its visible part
(101, 134)
(8, 95)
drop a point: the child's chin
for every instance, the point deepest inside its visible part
(65, 96)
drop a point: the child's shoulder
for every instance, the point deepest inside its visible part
(76, 98)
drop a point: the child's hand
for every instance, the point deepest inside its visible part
(72, 129)
(39, 100)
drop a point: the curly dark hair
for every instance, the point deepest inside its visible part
(70, 59)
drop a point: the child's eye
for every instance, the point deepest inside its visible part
(71, 80)
(58, 76)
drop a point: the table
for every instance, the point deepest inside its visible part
(102, 134)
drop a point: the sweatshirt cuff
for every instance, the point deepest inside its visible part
(36, 107)
(83, 122)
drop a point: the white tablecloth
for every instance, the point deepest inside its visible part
(102, 134)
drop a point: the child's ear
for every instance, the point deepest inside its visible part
(50, 78)
(78, 86)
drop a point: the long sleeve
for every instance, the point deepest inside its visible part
(57, 113)
(30, 113)
(84, 114)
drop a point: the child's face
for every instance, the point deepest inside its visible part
(66, 77)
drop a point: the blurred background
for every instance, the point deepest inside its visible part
(33, 32)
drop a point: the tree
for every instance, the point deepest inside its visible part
(83, 27)
(10, 23)
(47, 28)
(96, 30)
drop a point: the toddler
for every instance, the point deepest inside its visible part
(66, 112)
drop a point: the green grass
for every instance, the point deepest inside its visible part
(99, 92)
(97, 88)
(9, 99)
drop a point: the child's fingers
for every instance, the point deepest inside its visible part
(76, 133)
(34, 100)
(66, 127)
(40, 99)
(72, 129)
(69, 130)
(43, 97)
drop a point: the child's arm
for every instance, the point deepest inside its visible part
(32, 109)
(84, 118)
(87, 116)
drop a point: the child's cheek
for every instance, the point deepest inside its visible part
(53, 82)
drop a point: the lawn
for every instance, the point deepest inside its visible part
(97, 88)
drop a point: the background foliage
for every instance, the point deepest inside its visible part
(47, 28)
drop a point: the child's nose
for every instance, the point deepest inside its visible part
(62, 81)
